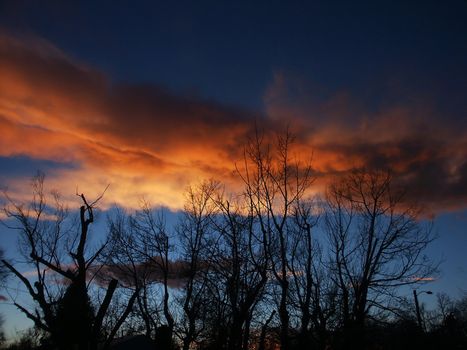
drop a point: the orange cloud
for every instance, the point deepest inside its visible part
(147, 141)
(423, 144)
(143, 140)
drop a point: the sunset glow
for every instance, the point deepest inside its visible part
(146, 141)
(136, 104)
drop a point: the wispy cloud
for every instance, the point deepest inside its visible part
(149, 272)
(423, 279)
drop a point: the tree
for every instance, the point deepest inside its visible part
(155, 249)
(56, 248)
(226, 269)
(376, 240)
(123, 260)
(141, 253)
(194, 232)
(26, 340)
(276, 183)
(241, 265)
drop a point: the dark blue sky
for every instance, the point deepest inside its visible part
(229, 52)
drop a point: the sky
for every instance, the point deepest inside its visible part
(150, 97)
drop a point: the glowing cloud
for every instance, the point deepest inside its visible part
(147, 141)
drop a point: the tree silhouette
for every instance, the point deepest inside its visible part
(276, 185)
(57, 251)
(263, 267)
(194, 233)
(376, 244)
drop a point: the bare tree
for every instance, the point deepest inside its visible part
(304, 266)
(194, 231)
(241, 265)
(156, 249)
(377, 242)
(124, 260)
(275, 185)
(50, 243)
(140, 254)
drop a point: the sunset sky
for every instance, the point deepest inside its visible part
(151, 97)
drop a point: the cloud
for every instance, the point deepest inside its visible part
(142, 139)
(147, 141)
(423, 279)
(149, 272)
(417, 139)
